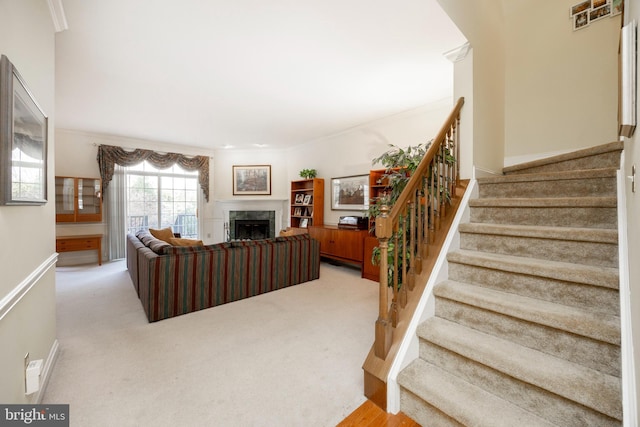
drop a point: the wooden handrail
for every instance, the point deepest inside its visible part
(414, 216)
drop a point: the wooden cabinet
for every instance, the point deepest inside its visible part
(369, 270)
(307, 203)
(78, 199)
(80, 243)
(340, 244)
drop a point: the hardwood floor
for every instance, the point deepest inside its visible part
(371, 415)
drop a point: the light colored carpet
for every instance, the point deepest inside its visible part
(292, 357)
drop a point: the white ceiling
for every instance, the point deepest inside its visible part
(245, 72)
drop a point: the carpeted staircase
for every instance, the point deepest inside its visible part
(527, 327)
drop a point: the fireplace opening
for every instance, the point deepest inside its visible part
(251, 225)
(253, 229)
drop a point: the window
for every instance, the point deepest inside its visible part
(160, 198)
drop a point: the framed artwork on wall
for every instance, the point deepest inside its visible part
(350, 193)
(250, 180)
(23, 141)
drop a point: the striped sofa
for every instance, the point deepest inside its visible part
(174, 280)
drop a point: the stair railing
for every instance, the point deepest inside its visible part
(407, 228)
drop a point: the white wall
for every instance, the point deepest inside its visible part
(463, 88)
(561, 84)
(27, 257)
(351, 152)
(481, 21)
(223, 197)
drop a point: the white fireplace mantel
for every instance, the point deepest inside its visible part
(256, 204)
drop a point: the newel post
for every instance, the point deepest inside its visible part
(383, 326)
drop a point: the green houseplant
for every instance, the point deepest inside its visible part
(399, 165)
(308, 173)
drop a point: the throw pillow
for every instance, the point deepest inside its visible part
(164, 234)
(175, 241)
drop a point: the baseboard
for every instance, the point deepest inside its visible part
(629, 392)
(516, 160)
(479, 172)
(77, 258)
(52, 357)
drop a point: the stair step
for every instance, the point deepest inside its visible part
(589, 287)
(593, 182)
(575, 383)
(445, 391)
(581, 322)
(578, 245)
(601, 156)
(583, 274)
(595, 354)
(543, 232)
(580, 212)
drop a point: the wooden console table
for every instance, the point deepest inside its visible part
(85, 242)
(340, 244)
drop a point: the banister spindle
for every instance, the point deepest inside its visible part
(411, 274)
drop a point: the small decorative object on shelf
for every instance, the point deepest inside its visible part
(308, 173)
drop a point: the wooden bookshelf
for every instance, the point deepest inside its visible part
(307, 203)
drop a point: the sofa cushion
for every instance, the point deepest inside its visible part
(156, 245)
(295, 237)
(215, 246)
(245, 243)
(163, 234)
(175, 241)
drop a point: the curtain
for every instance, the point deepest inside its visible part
(112, 160)
(109, 156)
(116, 214)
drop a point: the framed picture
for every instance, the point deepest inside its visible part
(599, 13)
(350, 193)
(23, 141)
(598, 3)
(616, 7)
(250, 180)
(583, 6)
(307, 199)
(304, 222)
(299, 198)
(297, 212)
(581, 20)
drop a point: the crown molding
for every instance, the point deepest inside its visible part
(57, 15)
(458, 53)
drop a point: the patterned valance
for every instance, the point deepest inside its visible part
(109, 155)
